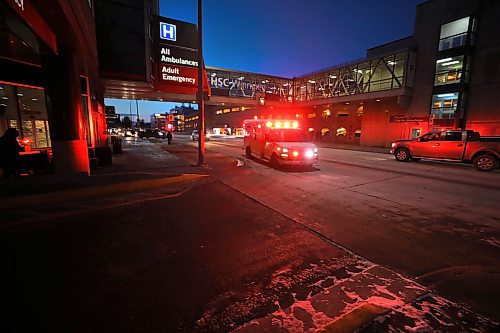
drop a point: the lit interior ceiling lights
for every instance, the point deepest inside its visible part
(450, 63)
(443, 60)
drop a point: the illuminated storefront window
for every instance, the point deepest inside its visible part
(24, 109)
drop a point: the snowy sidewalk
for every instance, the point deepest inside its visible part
(374, 300)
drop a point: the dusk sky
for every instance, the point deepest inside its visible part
(287, 37)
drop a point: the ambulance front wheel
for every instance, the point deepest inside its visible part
(248, 152)
(275, 163)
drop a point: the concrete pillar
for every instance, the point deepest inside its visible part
(64, 108)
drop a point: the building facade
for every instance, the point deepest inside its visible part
(49, 81)
(60, 58)
(444, 76)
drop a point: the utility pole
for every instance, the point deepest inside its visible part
(201, 103)
(137, 110)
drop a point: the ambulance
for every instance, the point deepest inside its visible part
(281, 142)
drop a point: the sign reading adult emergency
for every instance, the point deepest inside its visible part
(179, 75)
(176, 56)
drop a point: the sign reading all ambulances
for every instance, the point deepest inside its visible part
(176, 56)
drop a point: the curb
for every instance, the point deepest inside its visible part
(95, 191)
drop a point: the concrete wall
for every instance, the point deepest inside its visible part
(483, 106)
(376, 128)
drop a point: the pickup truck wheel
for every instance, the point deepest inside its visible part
(486, 163)
(274, 161)
(402, 155)
(248, 152)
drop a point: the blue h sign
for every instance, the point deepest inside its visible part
(168, 31)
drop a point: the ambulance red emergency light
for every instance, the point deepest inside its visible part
(278, 141)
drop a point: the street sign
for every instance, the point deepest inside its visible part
(176, 56)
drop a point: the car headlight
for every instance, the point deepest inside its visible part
(315, 150)
(393, 145)
(285, 150)
(309, 153)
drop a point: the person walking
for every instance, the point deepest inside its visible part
(169, 137)
(9, 153)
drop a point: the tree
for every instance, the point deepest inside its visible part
(126, 122)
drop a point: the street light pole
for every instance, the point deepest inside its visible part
(201, 103)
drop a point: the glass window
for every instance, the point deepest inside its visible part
(382, 77)
(444, 105)
(41, 133)
(453, 136)
(24, 109)
(454, 28)
(454, 34)
(433, 136)
(399, 66)
(415, 133)
(449, 70)
(341, 131)
(359, 111)
(288, 136)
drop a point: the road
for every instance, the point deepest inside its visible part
(438, 223)
(249, 248)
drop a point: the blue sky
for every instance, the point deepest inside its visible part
(287, 37)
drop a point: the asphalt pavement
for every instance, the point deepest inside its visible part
(155, 243)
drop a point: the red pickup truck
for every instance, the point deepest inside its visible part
(462, 146)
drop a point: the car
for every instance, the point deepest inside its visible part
(129, 133)
(151, 134)
(466, 146)
(195, 134)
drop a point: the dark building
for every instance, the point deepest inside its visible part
(124, 39)
(49, 80)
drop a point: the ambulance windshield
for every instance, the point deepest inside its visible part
(288, 135)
